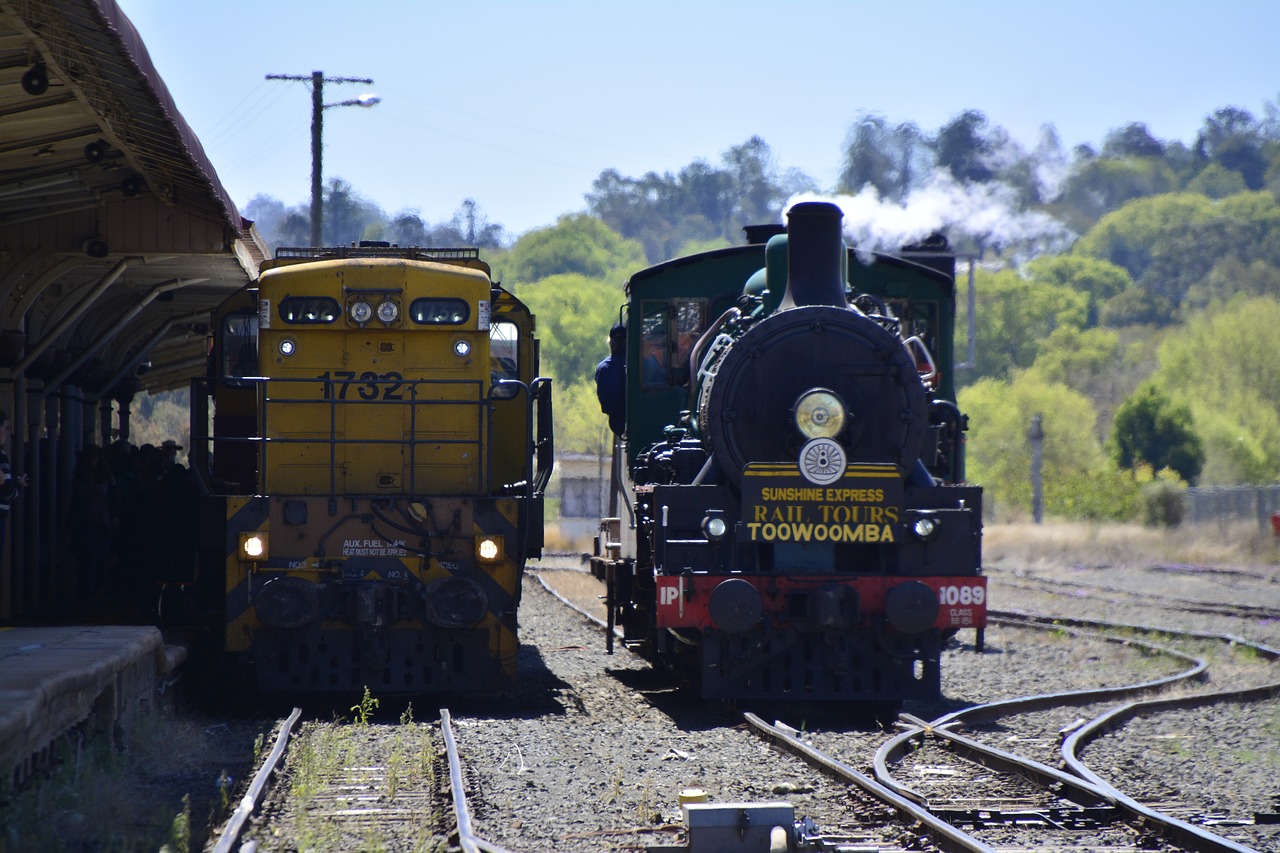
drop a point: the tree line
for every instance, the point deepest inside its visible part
(1145, 336)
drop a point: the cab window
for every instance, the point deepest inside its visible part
(668, 332)
(240, 345)
(690, 318)
(504, 356)
(655, 326)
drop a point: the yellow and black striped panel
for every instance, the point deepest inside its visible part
(389, 592)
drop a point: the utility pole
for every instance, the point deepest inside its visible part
(318, 107)
(1036, 436)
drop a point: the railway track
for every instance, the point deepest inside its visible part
(592, 755)
(1087, 789)
(348, 785)
(1036, 800)
(1167, 602)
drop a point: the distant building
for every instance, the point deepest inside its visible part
(584, 499)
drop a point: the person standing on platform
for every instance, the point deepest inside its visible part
(611, 377)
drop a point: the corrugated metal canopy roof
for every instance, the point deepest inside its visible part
(116, 237)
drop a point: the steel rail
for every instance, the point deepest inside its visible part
(994, 710)
(467, 839)
(893, 750)
(946, 836)
(252, 797)
(1058, 621)
(1055, 587)
(1178, 831)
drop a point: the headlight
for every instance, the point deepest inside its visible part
(388, 311)
(925, 528)
(489, 549)
(462, 348)
(714, 528)
(361, 311)
(253, 546)
(819, 414)
(287, 346)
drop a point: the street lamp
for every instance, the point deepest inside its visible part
(318, 106)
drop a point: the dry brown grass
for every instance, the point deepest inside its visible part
(1080, 543)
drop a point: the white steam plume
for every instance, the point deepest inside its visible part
(981, 214)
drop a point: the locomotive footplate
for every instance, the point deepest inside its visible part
(686, 600)
(818, 637)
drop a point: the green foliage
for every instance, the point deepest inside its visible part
(1225, 366)
(350, 216)
(576, 245)
(1234, 140)
(1015, 315)
(964, 147)
(1100, 279)
(1217, 181)
(1081, 359)
(1164, 500)
(701, 202)
(893, 159)
(695, 247)
(1153, 430)
(161, 417)
(180, 829)
(580, 426)
(1126, 236)
(1185, 251)
(1232, 277)
(1097, 186)
(999, 451)
(1103, 493)
(365, 707)
(574, 315)
(1132, 140)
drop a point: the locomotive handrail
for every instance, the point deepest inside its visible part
(545, 440)
(539, 442)
(335, 401)
(198, 438)
(410, 440)
(917, 347)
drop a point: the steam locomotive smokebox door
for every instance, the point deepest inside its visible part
(739, 406)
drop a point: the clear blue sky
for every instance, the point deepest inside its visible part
(521, 104)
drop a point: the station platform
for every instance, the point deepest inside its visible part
(53, 679)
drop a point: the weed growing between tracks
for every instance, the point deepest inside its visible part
(357, 784)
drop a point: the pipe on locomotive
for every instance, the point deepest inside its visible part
(815, 256)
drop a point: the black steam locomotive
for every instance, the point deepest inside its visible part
(791, 518)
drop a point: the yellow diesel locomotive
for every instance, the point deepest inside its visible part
(375, 461)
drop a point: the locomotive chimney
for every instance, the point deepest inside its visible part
(814, 256)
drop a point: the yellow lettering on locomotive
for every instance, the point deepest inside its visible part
(810, 532)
